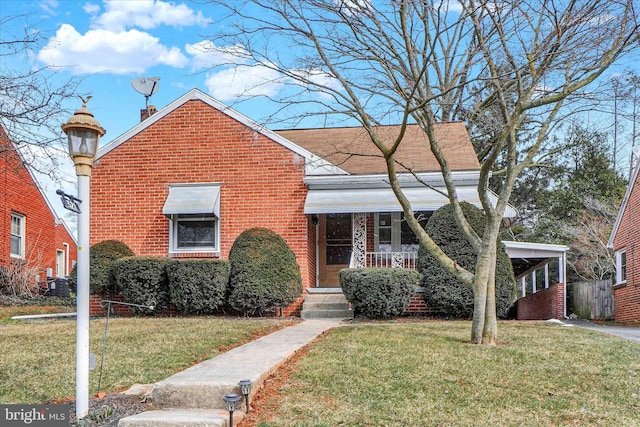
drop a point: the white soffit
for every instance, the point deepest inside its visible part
(533, 250)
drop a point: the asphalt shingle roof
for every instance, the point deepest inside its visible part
(351, 149)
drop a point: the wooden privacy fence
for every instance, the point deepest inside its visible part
(591, 300)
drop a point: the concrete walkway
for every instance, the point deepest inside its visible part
(631, 333)
(193, 397)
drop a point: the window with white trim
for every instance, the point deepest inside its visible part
(393, 234)
(17, 235)
(621, 266)
(194, 233)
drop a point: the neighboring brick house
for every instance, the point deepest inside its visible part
(31, 232)
(186, 181)
(625, 241)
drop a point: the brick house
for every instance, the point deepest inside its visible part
(625, 241)
(31, 231)
(186, 181)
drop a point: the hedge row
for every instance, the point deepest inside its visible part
(261, 276)
(379, 292)
(192, 286)
(444, 294)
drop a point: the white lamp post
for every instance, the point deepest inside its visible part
(83, 132)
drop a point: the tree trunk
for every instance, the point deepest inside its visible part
(490, 332)
(480, 285)
(484, 329)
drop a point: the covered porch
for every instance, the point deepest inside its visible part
(357, 221)
(383, 239)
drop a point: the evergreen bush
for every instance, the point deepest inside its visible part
(102, 255)
(264, 274)
(379, 292)
(197, 286)
(143, 280)
(444, 293)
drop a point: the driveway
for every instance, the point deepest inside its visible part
(631, 333)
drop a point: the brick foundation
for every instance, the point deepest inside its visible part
(96, 310)
(627, 303)
(417, 306)
(543, 305)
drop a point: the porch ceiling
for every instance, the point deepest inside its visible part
(364, 200)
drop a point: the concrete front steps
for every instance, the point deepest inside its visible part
(326, 306)
(183, 418)
(193, 397)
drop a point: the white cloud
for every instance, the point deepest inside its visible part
(355, 7)
(91, 8)
(49, 7)
(100, 50)
(147, 14)
(207, 55)
(319, 78)
(244, 81)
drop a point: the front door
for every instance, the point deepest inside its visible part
(334, 247)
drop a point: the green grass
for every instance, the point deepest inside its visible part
(38, 357)
(426, 374)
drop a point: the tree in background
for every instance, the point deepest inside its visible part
(573, 200)
(32, 97)
(405, 62)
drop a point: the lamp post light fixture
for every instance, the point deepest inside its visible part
(83, 133)
(231, 401)
(245, 387)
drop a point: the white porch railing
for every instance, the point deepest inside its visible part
(392, 259)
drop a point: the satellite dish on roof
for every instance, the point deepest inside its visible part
(146, 86)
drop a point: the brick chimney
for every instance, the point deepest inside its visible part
(145, 113)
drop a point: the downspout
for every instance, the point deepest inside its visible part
(317, 225)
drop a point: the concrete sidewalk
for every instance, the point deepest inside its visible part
(193, 397)
(631, 333)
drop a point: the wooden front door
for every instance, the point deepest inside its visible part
(334, 247)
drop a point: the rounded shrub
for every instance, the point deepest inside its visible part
(102, 255)
(264, 274)
(197, 286)
(143, 280)
(379, 292)
(444, 293)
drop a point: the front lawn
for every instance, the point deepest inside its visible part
(38, 357)
(426, 374)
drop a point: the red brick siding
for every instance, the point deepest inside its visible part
(295, 308)
(371, 233)
(261, 182)
(543, 305)
(417, 306)
(21, 195)
(627, 304)
(311, 252)
(627, 298)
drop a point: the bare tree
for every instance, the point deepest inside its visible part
(416, 62)
(589, 257)
(32, 97)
